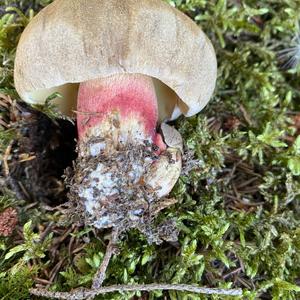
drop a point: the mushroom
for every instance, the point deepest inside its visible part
(124, 68)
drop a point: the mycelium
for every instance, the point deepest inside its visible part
(124, 68)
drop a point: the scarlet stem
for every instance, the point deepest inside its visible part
(130, 96)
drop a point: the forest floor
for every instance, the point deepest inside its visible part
(237, 213)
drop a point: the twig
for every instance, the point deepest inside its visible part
(45, 233)
(232, 273)
(55, 270)
(88, 113)
(42, 281)
(246, 115)
(17, 188)
(5, 159)
(110, 250)
(27, 159)
(2, 103)
(245, 183)
(85, 293)
(4, 124)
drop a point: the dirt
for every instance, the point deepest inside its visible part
(134, 205)
(43, 149)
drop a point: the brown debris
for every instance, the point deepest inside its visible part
(8, 221)
(241, 185)
(40, 153)
(41, 149)
(136, 205)
(296, 124)
(232, 123)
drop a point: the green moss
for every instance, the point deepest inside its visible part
(16, 285)
(238, 211)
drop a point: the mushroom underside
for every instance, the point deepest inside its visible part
(170, 106)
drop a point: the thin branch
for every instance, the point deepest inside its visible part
(110, 250)
(81, 294)
(5, 159)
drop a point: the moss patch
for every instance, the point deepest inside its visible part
(238, 211)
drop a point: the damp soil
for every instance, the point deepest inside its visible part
(41, 152)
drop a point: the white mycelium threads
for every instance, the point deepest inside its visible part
(117, 171)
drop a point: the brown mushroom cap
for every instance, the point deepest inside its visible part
(72, 41)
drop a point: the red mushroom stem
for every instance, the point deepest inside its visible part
(123, 164)
(129, 96)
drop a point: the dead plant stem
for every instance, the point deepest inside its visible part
(87, 293)
(100, 275)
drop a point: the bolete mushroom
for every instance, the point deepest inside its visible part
(124, 67)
